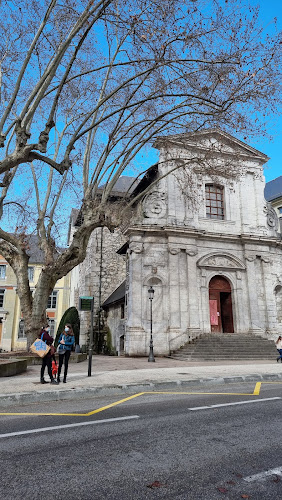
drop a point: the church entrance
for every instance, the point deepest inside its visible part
(221, 315)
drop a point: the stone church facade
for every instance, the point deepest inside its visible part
(207, 241)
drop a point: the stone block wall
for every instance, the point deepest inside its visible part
(102, 271)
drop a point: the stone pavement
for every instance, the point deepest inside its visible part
(117, 375)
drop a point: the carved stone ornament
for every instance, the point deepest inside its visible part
(250, 257)
(271, 216)
(218, 261)
(279, 279)
(192, 251)
(265, 259)
(173, 250)
(259, 175)
(158, 258)
(136, 247)
(154, 205)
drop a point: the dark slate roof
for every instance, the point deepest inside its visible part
(123, 185)
(126, 186)
(117, 296)
(35, 253)
(273, 189)
(36, 256)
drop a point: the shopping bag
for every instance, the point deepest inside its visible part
(40, 348)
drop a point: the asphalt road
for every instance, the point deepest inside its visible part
(152, 446)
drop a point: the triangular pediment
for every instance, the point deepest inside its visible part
(213, 140)
(221, 261)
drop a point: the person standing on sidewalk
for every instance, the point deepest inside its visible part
(47, 360)
(66, 341)
(279, 347)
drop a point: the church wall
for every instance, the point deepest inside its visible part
(102, 271)
(177, 249)
(180, 249)
(181, 303)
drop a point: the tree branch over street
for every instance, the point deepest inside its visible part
(90, 84)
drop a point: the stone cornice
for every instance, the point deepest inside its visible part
(190, 140)
(217, 154)
(166, 231)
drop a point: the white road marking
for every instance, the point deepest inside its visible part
(68, 426)
(232, 404)
(263, 475)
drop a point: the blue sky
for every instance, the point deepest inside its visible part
(268, 10)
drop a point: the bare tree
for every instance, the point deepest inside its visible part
(88, 85)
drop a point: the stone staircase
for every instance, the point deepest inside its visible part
(216, 347)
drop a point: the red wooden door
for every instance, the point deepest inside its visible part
(215, 315)
(220, 305)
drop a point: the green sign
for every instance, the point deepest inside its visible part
(86, 303)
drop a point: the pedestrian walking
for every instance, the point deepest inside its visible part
(279, 348)
(66, 341)
(47, 360)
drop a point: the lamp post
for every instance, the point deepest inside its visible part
(151, 292)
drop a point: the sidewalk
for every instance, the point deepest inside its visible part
(117, 375)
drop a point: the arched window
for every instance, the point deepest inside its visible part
(214, 202)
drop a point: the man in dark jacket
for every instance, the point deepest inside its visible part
(47, 360)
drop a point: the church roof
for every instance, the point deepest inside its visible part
(273, 189)
(117, 296)
(193, 139)
(124, 184)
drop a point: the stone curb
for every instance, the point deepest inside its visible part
(24, 398)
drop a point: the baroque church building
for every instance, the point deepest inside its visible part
(203, 237)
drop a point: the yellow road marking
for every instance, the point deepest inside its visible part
(114, 404)
(204, 393)
(256, 392)
(257, 389)
(79, 414)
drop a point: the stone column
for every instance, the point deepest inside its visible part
(134, 333)
(270, 306)
(173, 263)
(193, 290)
(183, 292)
(255, 317)
(204, 305)
(240, 304)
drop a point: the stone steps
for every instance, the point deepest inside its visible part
(222, 347)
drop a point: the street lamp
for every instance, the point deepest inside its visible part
(151, 292)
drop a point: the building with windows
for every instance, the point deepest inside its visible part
(12, 336)
(207, 241)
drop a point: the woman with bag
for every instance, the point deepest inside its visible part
(47, 360)
(66, 341)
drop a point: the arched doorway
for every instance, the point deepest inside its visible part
(221, 315)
